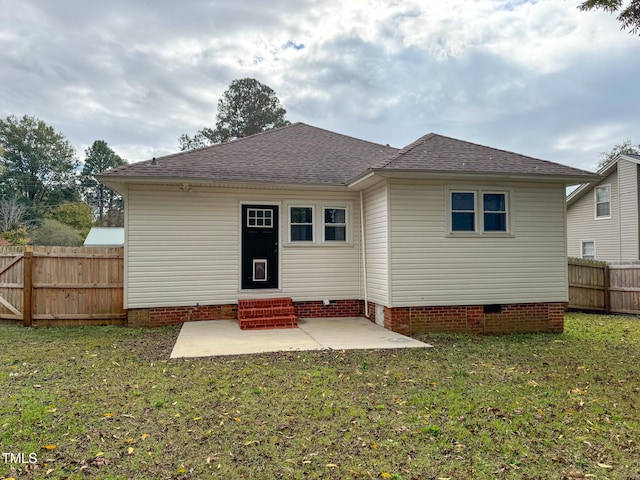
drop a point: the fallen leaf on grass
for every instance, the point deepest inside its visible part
(386, 475)
(108, 415)
(144, 436)
(604, 465)
(50, 447)
(331, 465)
(130, 450)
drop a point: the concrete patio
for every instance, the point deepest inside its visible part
(224, 337)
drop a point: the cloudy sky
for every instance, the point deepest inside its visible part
(536, 77)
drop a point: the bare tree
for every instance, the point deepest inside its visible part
(13, 214)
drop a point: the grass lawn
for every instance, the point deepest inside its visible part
(107, 403)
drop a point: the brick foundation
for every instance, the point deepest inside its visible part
(510, 318)
(337, 308)
(163, 316)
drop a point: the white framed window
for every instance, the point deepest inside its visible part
(463, 211)
(603, 201)
(334, 224)
(494, 211)
(260, 217)
(588, 249)
(301, 224)
(478, 211)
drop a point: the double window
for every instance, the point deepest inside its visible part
(478, 211)
(603, 201)
(309, 224)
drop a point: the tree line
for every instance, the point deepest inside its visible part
(46, 196)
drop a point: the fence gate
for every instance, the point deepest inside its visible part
(11, 284)
(62, 286)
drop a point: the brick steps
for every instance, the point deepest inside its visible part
(267, 313)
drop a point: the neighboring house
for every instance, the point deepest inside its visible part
(105, 237)
(443, 235)
(602, 217)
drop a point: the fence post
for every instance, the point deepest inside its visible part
(27, 288)
(607, 291)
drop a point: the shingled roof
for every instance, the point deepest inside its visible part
(437, 153)
(295, 154)
(302, 154)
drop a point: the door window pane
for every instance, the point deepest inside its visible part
(260, 217)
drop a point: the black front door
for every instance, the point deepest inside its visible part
(259, 246)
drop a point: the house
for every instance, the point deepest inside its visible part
(442, 235)
(105, 237)
(602, 217)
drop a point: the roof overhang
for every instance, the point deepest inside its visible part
(373, 176)
(119, 184)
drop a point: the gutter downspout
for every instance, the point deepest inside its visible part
(364, 258)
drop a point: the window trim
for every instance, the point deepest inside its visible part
(346, 224)
(314, 232)
(476, 225)
(252, 214)
(506, 210)
(479, 211)
(318, 205)
(595, 202)
(582, 243)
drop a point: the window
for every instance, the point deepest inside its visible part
(260, 217)
(463, 212)
(301, 224)
(479, 212)
(335, 224)
(603, 201)
(494, 206)
(588, 250)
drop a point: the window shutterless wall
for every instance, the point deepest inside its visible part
(432, 266)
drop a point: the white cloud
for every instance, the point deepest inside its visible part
(533, 77)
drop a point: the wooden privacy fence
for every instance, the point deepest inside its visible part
(62, 286)
(605, 287)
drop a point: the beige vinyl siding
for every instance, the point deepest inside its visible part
(184, 248)
(376, 234)
(628, 181)
(582, 224)
(432, 268)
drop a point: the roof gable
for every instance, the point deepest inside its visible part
(604, 172)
